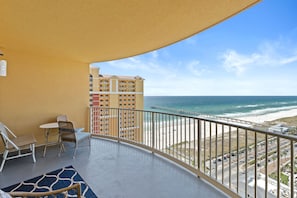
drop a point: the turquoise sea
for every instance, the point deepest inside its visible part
(227, 106)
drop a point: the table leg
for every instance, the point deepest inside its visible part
(46, 134)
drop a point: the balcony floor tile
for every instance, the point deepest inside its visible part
(114, 170)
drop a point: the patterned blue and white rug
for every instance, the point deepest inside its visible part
(54, 180)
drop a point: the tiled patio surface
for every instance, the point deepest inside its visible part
(114, 170)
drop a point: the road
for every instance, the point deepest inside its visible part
(240, 175)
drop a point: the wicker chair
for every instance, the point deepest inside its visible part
(16, 145)
(67, 133)
(64, 192)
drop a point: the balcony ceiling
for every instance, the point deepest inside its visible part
(101, 30)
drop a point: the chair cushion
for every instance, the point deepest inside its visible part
(82, 135)
(22, 141)
(79, 130)
(68, 137)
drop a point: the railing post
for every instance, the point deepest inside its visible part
(292, 169)
(278, 166)
(119, 122)
(90, 120)
(256, 165)
(266, 165)
(153, 132)
(199, 145)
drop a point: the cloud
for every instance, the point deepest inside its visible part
(196, 68)
(155, 54)
(190, 41)
(166, 74)
(273, 54)
(235, 62)
(147, 66)
(289, 60)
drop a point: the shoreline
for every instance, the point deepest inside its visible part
(171, 133)
(270, 116)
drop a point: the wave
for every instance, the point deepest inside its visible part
(258, 112)
(250, 105)
(268, 104)
(285, 103)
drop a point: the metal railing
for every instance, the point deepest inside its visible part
(241, 161)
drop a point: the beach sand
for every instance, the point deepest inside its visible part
(171, 134)
(271, 116)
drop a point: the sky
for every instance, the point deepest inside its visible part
(252, 53)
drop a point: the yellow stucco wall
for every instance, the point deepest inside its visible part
(37, 89)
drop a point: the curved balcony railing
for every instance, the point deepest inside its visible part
(239, 160)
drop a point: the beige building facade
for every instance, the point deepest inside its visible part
(110, 91)
(48, 59)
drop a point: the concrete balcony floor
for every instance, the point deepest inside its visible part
(114, 170)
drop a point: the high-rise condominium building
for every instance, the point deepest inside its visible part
(110, 91)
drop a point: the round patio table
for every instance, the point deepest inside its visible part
(47, 129)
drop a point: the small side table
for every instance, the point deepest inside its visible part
(47, 128)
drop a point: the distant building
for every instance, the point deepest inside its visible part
(279, 128)
(110, 91)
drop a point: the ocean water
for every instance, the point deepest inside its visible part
(227, 106)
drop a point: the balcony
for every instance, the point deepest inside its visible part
(170, 155)
(49, 70)
(114, 170)
(242, 160)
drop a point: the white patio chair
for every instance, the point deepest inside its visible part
(18, 146)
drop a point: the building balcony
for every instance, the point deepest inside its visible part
(238, 158)
(113, 169)
(47, 71)
(170, 155)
